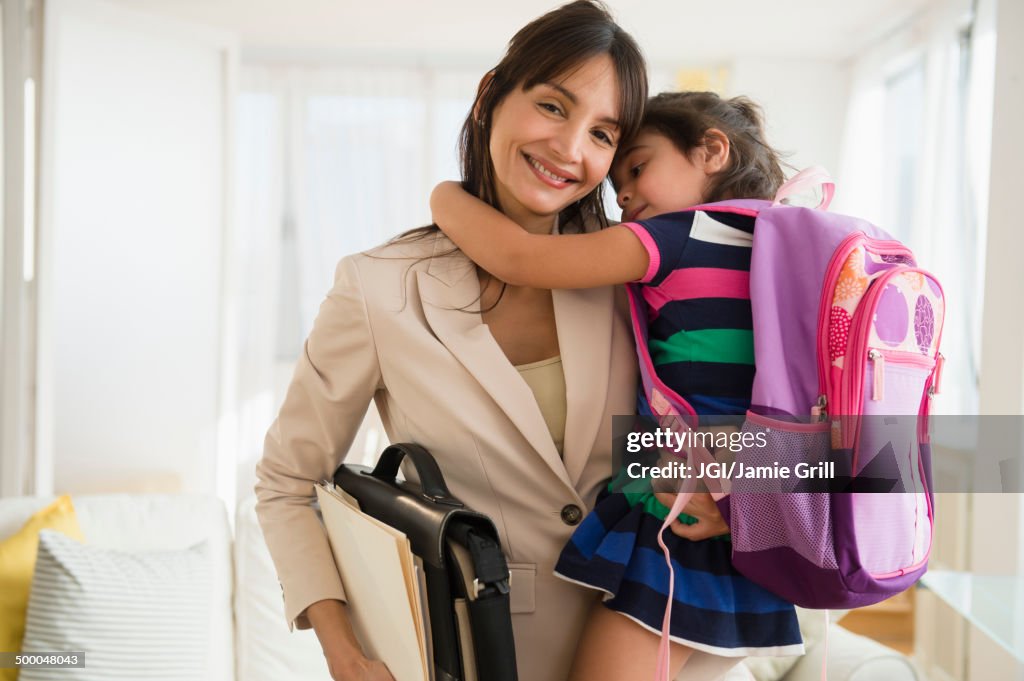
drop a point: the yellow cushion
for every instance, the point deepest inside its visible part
(17, 563)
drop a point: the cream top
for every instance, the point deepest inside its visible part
(547, 381)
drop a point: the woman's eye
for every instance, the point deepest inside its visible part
(604, 137)
(553, 108)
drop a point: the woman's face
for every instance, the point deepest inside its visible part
(552, 144)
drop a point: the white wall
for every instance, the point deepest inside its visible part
(804, 102)
(132, 226)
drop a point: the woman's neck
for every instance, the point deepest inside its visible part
(524, 217)
(534, 224)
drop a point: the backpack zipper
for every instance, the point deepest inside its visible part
(852, 390)
(849, 243)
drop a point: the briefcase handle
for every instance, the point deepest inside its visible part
(432, 482)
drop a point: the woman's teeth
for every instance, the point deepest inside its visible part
(547, 172)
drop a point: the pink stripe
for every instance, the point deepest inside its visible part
(699, 282)
(715, 208)
(653, 254)
(788, 426)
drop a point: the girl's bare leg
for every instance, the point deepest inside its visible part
(615, 648)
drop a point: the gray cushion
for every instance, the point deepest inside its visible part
(135, 615)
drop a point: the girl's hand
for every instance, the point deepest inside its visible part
(710, 522)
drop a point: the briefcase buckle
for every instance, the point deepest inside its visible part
(503, 586)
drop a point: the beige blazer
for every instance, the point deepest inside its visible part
(389, 330)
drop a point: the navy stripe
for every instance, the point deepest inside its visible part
(716, 379)
(671, 233)
(701, 313)
(722, 629)
(711, 557)
(737, 220)
(705, 254)
(718, 593)
(583, 562)
(613, 517)
(707, 405)
(596, 572)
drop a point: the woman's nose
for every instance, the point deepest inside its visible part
(569, 143)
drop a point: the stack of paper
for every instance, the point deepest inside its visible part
(384, 583)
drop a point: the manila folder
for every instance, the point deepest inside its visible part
(370, 558)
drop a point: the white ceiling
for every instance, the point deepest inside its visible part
(669, 31)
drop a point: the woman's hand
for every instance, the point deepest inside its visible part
(710, 522)
(359, 669)
(345, 658)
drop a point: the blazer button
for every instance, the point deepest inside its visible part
(571, 514)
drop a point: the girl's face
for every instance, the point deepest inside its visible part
(552, 144)
(653, 177)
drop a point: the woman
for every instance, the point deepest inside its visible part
(510, 388)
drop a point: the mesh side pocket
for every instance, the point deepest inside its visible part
(766, 514)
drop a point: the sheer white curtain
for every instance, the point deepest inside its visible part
(331, 161)
(914, 144)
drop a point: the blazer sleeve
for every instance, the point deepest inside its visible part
(334, 381)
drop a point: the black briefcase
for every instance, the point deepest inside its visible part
(466, 574)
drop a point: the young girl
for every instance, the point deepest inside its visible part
(693, 267)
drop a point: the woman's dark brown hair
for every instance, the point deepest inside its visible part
(755, 168)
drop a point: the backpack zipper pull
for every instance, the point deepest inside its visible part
(819, 412)
(879, 387)
(940, 361)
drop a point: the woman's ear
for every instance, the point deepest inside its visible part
(716, 151)
(481, 89)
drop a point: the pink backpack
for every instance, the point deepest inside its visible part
(846, 337)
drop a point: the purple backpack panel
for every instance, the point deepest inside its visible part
(788, 298)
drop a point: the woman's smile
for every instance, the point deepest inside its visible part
(551, 174)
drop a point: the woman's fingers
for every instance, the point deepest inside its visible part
(378, 671)
(361, 669)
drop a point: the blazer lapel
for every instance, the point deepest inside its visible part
(584, 318)
(450, 291)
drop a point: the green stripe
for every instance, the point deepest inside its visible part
(733, 346)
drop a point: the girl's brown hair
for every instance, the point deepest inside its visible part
(755, 168)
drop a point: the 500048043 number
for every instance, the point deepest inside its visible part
(42, 659)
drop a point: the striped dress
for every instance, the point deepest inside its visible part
(697, 290)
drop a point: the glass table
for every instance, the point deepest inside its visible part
(993, 603)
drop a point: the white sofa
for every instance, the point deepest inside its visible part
(249, 639)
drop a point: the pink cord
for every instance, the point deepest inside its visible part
(824, 656)
(687, 488)
(664, 658)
